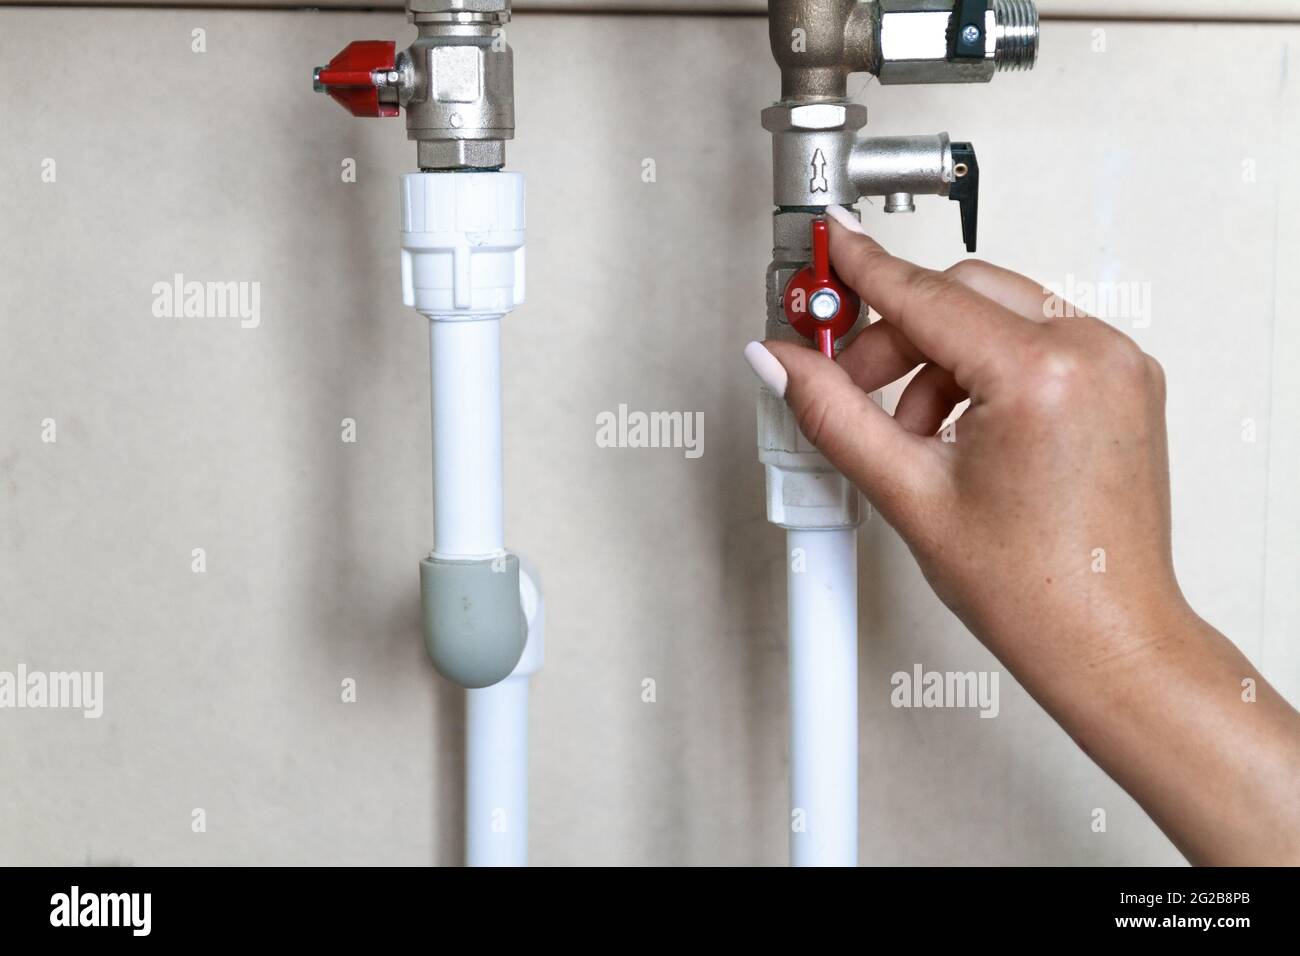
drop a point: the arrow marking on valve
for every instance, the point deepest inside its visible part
(818, 182)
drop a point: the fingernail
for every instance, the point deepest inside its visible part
(769, 371)
(846, 219)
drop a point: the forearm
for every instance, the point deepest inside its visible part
(1213, 759)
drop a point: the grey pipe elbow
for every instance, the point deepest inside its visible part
(474, 625)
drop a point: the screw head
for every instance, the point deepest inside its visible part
(824, 305)
(971, 34)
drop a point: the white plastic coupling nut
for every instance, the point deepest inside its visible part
(462, 243)
(804, 491)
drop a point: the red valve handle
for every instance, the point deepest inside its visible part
(349, 77)
(816, 320)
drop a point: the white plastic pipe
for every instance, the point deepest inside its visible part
(496, 749)
(496, 774)
(823, 611)
(469, 520)
(468, 502)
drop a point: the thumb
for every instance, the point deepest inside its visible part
(894, 468)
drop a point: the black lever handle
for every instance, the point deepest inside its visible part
(965, 190)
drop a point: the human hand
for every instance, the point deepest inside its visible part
(1042, 513)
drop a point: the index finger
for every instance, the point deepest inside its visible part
(973, 337)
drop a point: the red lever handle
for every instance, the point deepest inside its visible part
(349, 78)
(817, 304)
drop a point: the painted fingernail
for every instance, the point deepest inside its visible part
(769, 371)
(846, 219)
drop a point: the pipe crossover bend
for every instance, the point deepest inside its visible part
(474, 623)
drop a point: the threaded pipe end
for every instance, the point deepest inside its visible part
(1016, 46)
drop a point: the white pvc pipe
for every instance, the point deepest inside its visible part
(496, 750)
(823, 611)
(496, 774)
(468, 503)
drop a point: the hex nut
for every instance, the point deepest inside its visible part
(460, 153)
(914, 46)
(458, 6)
(814, 117)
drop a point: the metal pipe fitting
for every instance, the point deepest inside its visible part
(818, 43)
(917, 41)
(1016, 36)
(811, 147)
(457, 83)
(913, 165)
(900, 202)
(817, 157)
